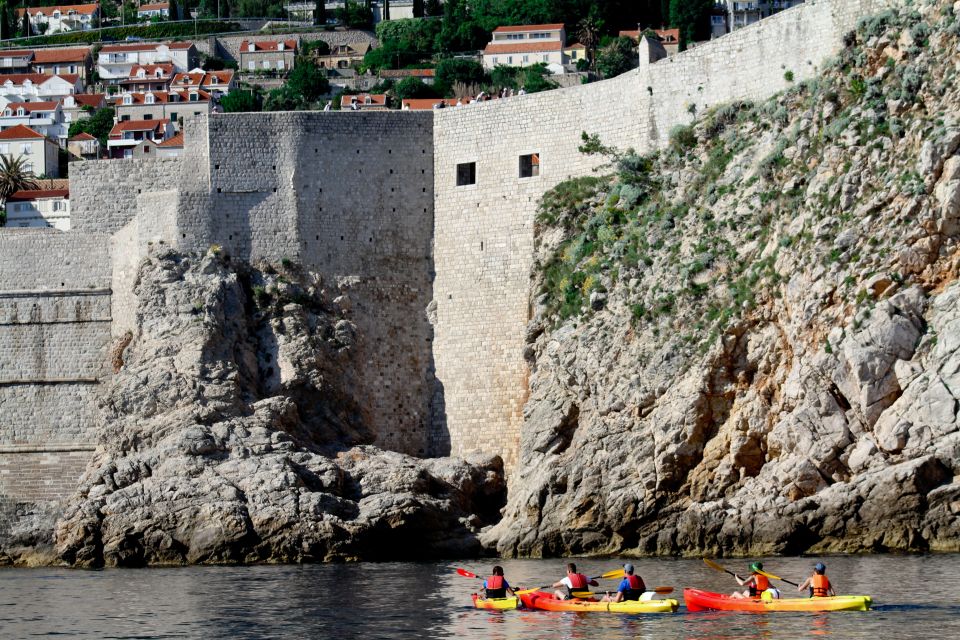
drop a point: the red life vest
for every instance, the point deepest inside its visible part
(578, 582)
(636, 583)
(819, 586)
(496, 587)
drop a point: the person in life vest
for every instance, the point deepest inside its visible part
(631, 587)
(573, 582)
(496, 586)
(818, 583)
(756, 583)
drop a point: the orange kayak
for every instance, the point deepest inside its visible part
(697, 600)
(547, 602)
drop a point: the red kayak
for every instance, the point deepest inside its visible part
(547, 602)
(697, 600)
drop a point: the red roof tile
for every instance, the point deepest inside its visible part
(155, 6)
(529, 27)
(137, 125)
(81, 136)
(37, 194)
(30, 107)
(86, 9)
(144, 46)
(38, 78)
(267, 45)
(95, 100)
(408, 73)
(376, 100)
(523, 47)
(22, 53)
(175, 141)
(20, 132)
(51, 56)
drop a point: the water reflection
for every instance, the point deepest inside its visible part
(428, 600)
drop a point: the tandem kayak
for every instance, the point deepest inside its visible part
(498, 604)
(547, 602)
(697, 600)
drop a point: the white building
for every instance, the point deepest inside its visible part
(522, 46)
(127, 134)
(39, 208)
(216, 83)
(40, 153)
(59, 19)
(153, 10)
(115, 62)
(743, 13)
(46, 118)
(37, 86)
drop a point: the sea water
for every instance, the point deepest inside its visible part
(914, 596)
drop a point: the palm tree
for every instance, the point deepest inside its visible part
(14, 177)
(589, 34)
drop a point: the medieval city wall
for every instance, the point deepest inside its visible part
(437, 276)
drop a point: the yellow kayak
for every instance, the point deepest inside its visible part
(499, 604)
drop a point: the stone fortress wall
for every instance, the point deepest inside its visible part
(437, 275)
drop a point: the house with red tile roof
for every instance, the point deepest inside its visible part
(40, 153)
(83, 146)
(172, 105)
(149, 77)
(273, 56)
(152, 10)
(37, 86)
(15, 60)
(46, 118)
(81, 105)
(48, 206)
(115, 62)
(127, 134)
(72, 61)
(427, 76)
(216, 83)
(522, 46)
(669, 38)
(62, 18)
(364, 102)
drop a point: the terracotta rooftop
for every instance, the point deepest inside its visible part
(145, 46)
(408, 73)
(51, 56)
(175, 141)
(37, 194)
(267, 45)
(29, 107)
(523, 47)
(20, 132)
(137, 125)
(81, 137)
(86, 9)
(154, 6)
(37, 78)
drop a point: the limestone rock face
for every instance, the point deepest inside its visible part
(230, 435)
(775, 367)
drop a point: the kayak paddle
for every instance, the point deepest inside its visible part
(773, 577)
(713, 565)
(467, 574)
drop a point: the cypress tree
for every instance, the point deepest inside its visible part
(418, 9)
(320, 13)
(4, 20)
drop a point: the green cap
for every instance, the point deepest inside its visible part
(756, 566)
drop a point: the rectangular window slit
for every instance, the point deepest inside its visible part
(530, 165)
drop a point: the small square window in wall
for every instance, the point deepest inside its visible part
(530, 165)
(466, 174)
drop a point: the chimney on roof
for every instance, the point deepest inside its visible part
(280, 45)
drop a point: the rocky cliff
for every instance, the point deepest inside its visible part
(230, 434)
(750, 342)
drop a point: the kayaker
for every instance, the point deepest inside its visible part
(756, 583)
(631, 587)
(496, 586)
(818, 583)
(573, 581)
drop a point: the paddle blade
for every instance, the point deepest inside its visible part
(530, 590)
(663, 590)
(713, 565)
(466, 574)
(769, 575)
(613, 573)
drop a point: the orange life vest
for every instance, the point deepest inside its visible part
(819, 586)
(760, 584)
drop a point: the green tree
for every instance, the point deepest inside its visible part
(433, 8)
(174, 12)
(307, 81)
(589, 30)
(26, 22)
(617, 57)
(240, 101)
(451, 70)
(414, 88)
(692, 17)
(320, 12)
(418, 8)
(14, 176)
(5, 31)
(386, 10)
(98, 124)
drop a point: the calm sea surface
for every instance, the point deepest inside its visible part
(914, 596)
